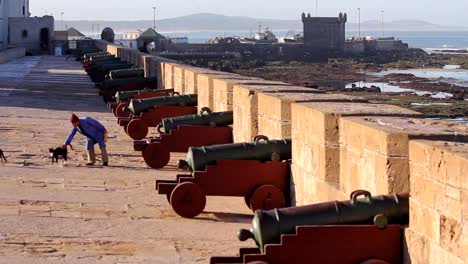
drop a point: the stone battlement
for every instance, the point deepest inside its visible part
(342, 143)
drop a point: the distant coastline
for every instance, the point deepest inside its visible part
(416, 39)
(213, 22)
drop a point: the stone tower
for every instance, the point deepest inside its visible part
(324, 34)
(11, 8)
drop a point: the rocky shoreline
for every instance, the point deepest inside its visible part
(434, 97)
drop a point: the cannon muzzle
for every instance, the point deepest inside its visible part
(361, 209)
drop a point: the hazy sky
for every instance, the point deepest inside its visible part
(449, 12)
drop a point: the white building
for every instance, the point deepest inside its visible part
(11, 8)
(132, 35)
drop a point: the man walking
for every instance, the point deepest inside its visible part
(94, 132)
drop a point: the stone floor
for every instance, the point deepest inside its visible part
(69, 213)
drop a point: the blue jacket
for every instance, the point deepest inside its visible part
(93, 130)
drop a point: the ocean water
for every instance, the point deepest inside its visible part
(416, 39)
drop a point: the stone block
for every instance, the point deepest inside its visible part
(223, 91)
(438, 255)
(325, 116)
(417, 248)
(391, 162)
(425, 220)
(205, 86)
(308, 189)
(191, 78)
(276, 107)
(425, 189)
(450, 234)
(448, 206)
(179, 78)
(168, 75)
(245, 108)
(9, 209)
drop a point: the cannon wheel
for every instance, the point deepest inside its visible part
(137, 129)
(375, 261)
(267, 197)
(188, 200)
(119, 111)
(156, 155)
(247, 200)
(114, 110)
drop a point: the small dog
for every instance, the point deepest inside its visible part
(2, 157)
(56, 153)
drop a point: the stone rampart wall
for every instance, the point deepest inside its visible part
(343, 143)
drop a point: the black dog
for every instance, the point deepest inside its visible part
(59, 152)
(2, 157)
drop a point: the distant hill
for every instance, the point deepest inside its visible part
(213, 22)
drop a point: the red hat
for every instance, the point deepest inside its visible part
(74, 119)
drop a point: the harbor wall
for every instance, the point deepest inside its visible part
(343, 143)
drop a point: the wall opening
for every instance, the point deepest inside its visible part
(44, 39)
(24, 33)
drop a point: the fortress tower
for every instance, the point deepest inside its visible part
(324, 34)
(11, 8)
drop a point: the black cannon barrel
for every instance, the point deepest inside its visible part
(111, 84)
(127, 73)
(362, 208)
(87, 56)
(95, 59)
(125, 95)
(205, 118)
(139, 106)
(112, 66)
(261, 149)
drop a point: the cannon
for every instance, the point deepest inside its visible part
(110, 87)
(127, 73)
(178, 134)
(268, 226)
(364, 230)
(205, 118)
(261, 149)
(123, 99)
(261, 178)
(93, 60)
(146, 113)
(344, 244)
(98, 73)
(87, 56)
(139, 106)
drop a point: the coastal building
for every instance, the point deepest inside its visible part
(368, 44)
(8, 9)
(108, 34)
(131, 35)
(324, 34)
(153, 39)
(74, 34)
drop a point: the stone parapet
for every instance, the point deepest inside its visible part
(274, 108)
(374, 150)
(205, 87)
(245, 107)
(438, 231)
(316, 132)
(343, 143)
(223, 94)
